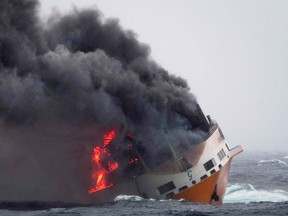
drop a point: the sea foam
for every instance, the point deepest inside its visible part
(246, 193)
(273, 162)
(128, 198)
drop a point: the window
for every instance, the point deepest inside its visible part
(221, 154)
(183, 188)
(209, 164)
(203, 177)
(184, 164)
(166, 187)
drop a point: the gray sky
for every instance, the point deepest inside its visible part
(234, 55)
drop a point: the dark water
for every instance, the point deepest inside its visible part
(258, 186)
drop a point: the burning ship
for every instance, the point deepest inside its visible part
(196, 174)
(80, 69)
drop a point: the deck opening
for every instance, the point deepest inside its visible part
(183, 188)
(209, 164)
(203, 177)
(166, 187)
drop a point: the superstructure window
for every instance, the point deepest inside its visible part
(166, 187)
(221, 154)
(184, 164)
(209, 164)
(183, 188)
(203, 177)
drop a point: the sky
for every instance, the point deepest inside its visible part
(233, 54)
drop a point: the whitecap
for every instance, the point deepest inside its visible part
(285, 157)
(246, 193)
(128, 198)
(273, 162)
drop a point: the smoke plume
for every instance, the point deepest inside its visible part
(63, 84)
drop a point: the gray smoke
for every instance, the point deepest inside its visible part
(65, 83)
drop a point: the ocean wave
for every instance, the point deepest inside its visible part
(128, 198)
(37, 205)
(134, 198)
(273, 162)
(279, 178)
(246, 193)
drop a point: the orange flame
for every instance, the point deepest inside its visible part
(99, 173)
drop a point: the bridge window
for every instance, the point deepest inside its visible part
(209, 164)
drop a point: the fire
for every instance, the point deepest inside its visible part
(112, 166)
(108, 138)
(99, 173)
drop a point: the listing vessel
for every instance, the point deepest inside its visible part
(196, 174)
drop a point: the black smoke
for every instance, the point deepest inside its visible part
(63, 84)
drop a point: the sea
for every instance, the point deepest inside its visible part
(258, 185)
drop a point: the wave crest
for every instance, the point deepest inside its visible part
(246, 193)
(128, 198)
(272, 162)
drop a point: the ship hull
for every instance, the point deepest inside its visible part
(199, 175)
(210, 191)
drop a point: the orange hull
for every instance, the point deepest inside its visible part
(211, 190)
